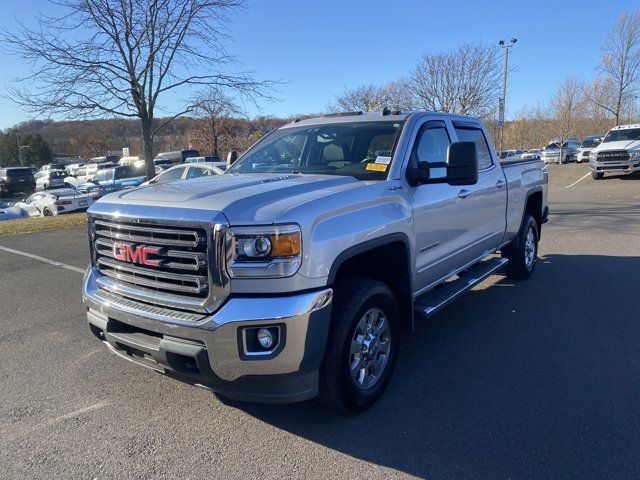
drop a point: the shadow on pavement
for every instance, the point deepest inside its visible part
(538, 379)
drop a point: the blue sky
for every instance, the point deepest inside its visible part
(320, 47)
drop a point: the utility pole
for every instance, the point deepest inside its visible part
(503, 99)
(19, 147)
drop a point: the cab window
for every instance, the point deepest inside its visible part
(431, 147)
(470, 134)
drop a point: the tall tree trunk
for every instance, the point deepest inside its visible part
(147, 147)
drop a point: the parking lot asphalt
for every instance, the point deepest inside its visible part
(536, 379)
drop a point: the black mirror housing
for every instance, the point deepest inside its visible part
(419, 174)
(462, 163)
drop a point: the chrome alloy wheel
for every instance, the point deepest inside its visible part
(530, 248)
(370, 348)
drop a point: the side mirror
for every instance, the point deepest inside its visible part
(419, 174)
(462, 163)
(232, 156)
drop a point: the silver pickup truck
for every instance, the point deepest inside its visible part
(293, 275)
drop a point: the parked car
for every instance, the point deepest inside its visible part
(12, 212)
(185, 172)
(113, 179)
(85, 173)
(588, 144)
(131, 161)
(178, 156)
(72, 167)
(105, 159)
(56, 202)
(215, 161)
(619, 152)
(533, 154)
(47, 179)
(52, 166)
(16, 179)
(551, 153)
(510, 155)
(293, 274)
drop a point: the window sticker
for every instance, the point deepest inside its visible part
(383, 160)
(377, 167)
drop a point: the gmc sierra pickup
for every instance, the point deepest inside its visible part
(292, 275)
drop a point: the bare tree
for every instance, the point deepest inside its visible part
(363, 98)
(465, 80)
(215, 111)
(395, 95)
(620, 62)
(567, 106)
(120, 58)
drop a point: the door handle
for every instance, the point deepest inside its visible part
(464, 193)
(500, 184)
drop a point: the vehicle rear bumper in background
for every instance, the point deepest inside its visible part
(628, 166)
(210, 350)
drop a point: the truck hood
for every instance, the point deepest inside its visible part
(243, 198)
(620, 145)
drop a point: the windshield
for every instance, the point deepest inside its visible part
(104, 175)
(594, 142)
(360, 150)
(628, 134)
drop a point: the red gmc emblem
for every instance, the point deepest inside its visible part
(136, 254)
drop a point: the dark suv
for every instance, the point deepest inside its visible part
(13, 180)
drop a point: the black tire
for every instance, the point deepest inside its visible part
(597, 175)
(520, 265)
(47, 213)
(353, 298)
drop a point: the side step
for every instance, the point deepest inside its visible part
(431, 302)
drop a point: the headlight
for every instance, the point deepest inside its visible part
(265, 252)
(593, 155)
(634, 155)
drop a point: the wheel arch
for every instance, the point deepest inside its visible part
(387, 259)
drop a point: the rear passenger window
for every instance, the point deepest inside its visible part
(467, 134)
(431, 147)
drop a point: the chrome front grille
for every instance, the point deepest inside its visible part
(614, 156)
(176, 269)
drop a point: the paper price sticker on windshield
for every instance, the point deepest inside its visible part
(383, 160)
(377, 167)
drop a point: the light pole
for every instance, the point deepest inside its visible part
(501, 105)
(20, 147)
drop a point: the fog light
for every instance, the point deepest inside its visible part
(265, 338)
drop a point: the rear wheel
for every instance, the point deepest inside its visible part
(597, 175)
(362, 347)
(522, 252)
(47, 213)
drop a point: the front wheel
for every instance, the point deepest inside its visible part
(522, 252)
(362, 347)
(597, 175)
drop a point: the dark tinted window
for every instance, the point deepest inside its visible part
(482, 147)
(624, 135)
(19, 172)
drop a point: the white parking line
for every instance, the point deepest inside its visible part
(42, 259)
(580, 179)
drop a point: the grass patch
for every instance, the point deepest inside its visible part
(42, 224)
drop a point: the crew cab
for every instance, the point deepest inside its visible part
(113, 179)
(619, 152)
(292, 275)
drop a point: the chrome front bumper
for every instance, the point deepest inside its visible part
(627, 166)
(207, 349)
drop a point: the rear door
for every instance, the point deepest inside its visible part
(486, 202)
